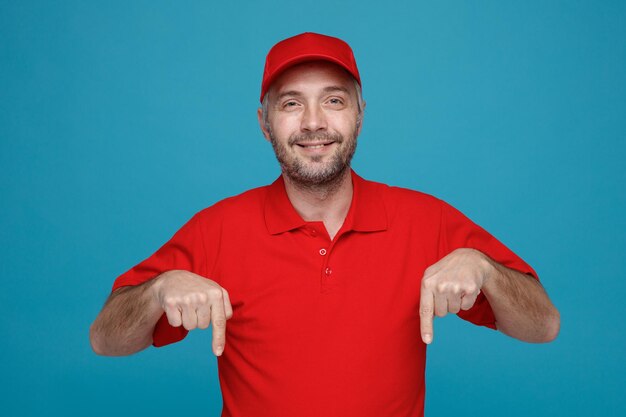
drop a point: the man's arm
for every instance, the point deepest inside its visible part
(126, 323)
(520, 304)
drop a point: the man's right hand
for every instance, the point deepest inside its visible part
(193, 301)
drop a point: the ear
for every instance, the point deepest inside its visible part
(359, 119)
(259, 115)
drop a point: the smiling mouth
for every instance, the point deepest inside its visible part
(314, 145)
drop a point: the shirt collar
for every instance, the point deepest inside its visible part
(367, 211)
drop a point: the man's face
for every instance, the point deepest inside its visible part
(313, 122)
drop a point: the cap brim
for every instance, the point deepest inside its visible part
(302, 59)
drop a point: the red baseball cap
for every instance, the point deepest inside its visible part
(307, 47)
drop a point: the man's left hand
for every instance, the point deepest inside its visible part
(451, 285)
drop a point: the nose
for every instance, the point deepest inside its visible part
(313, 119)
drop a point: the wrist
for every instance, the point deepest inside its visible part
(156, 284)
(489, 271)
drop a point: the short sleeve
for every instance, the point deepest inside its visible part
(184, 251)
(458, 231)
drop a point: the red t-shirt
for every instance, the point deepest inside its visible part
(321, 327)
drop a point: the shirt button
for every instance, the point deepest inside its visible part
(328, 271)
(322, 251)
(313, 232)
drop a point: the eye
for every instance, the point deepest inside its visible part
(336, 102)
(290, 103)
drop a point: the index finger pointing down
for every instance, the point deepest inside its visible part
(218, 320)
(427, 308)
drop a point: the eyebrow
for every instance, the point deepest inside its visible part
(333, 88)
(329, 89)
(288, 93)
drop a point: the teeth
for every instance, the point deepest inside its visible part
(321, 145)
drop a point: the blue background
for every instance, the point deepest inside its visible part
(119, 121)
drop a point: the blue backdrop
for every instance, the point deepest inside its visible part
(120, 120)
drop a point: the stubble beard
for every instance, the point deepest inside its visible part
(321, 175)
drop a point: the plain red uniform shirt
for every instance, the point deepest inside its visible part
(321, 327)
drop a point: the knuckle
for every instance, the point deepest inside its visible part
(219, 322)
(426, 311)
(428, 283)
(441, 287)
(169, 302)
(215, 294)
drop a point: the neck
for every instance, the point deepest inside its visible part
(328, 203)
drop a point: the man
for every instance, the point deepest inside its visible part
(326, 279)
